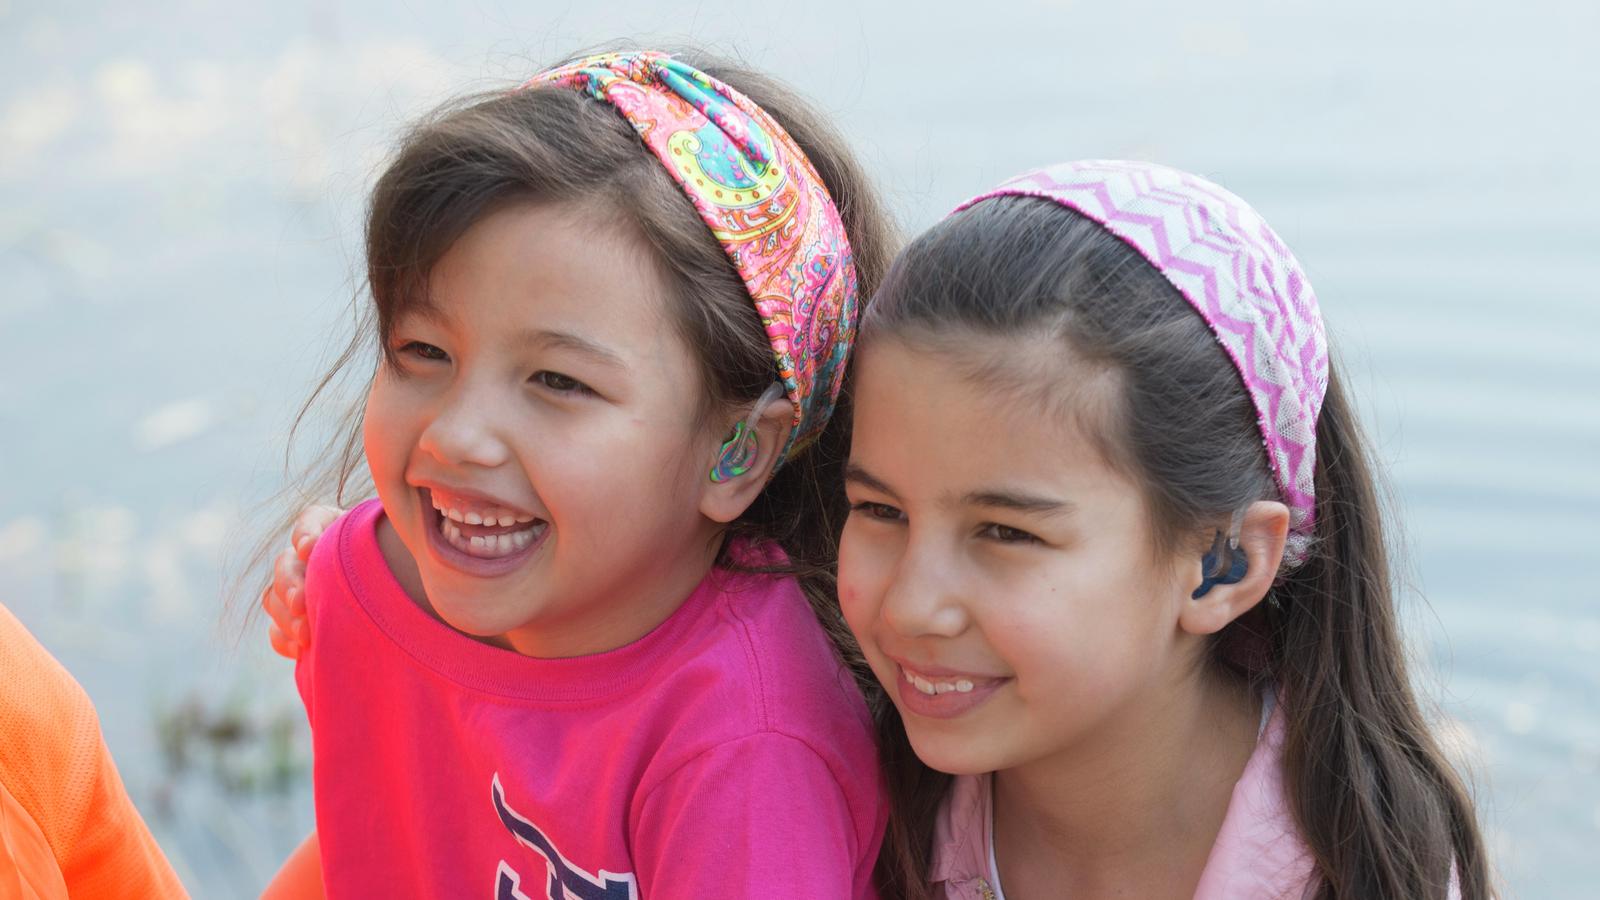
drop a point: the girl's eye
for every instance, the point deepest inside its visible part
(1005, 534)
(881, 511)
(420, 350)
(561, 384)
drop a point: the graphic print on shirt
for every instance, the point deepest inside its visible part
(567, 881)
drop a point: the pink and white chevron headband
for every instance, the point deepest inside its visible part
(1235, 271)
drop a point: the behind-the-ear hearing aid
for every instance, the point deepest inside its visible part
(1224, 563)
(738, 452)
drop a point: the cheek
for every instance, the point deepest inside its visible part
(383, 429)
(617, 478)
(862, 579)
(1078, 636)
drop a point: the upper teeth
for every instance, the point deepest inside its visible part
(504, 518)
(929, 686)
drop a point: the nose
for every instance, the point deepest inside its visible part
(924, 596)
(467, 431)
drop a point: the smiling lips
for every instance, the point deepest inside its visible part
(944, 696)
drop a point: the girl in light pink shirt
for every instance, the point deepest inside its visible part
(1115, 553)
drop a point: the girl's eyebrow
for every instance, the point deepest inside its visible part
(566, 340)
(1017, 501)
(856, 474)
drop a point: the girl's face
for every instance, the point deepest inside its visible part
(536, 444)
(995, 570)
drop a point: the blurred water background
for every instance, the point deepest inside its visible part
(180, 195)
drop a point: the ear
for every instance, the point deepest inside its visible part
(1262, 533)
(724, 501)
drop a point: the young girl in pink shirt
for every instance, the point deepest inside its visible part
(579, 644)
(1115, 553)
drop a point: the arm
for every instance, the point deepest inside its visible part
(761, 816)
(301, 875)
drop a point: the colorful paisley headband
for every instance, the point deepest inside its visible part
(764, 202)
(1235, 271)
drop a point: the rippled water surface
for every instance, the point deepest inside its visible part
(179, 194)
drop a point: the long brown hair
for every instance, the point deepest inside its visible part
(551, 144)
(1382, 810)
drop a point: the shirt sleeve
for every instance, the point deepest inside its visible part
(760, 816)
(28, 867)
(55, 765)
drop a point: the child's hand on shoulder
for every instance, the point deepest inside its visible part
(284, 600)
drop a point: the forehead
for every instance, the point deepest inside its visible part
(559, 268)
(978, 410)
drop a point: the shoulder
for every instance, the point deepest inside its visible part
(1259, 850)
(350, 541)
(783, 661)
(55, 767)
(760, 679)
(347, 561)
(39, 690)
(49, 732)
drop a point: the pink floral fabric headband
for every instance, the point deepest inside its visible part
(1239, 276)
(763, 200)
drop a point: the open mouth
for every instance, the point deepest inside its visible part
(488, 537)
(482, 531)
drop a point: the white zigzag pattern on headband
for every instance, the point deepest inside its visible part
(1241, 278)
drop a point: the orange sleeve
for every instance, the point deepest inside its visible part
(28, 867)
(58, 773)
(301, 875)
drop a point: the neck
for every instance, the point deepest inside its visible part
(1134, 809)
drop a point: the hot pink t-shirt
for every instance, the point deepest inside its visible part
(725, 754)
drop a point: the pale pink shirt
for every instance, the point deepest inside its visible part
(727, 753)
(1259, 853)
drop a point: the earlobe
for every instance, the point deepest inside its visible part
(1246, 577)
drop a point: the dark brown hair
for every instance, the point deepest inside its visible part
(1382, 810)
(558, 145)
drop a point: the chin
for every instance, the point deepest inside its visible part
(474, 626)
(476, 617)
(954, 754)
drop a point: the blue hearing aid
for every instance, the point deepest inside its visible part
(738, 452)
(1224, 563)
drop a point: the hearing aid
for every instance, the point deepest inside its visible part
(1224, 563)
(738, 452)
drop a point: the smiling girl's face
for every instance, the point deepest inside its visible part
(996, 571)
(536, 439)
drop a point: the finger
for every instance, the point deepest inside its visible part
(296, 598)
(288, 571)
(309, 526)
(282, 645)
(272, 604)
(302, 633)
